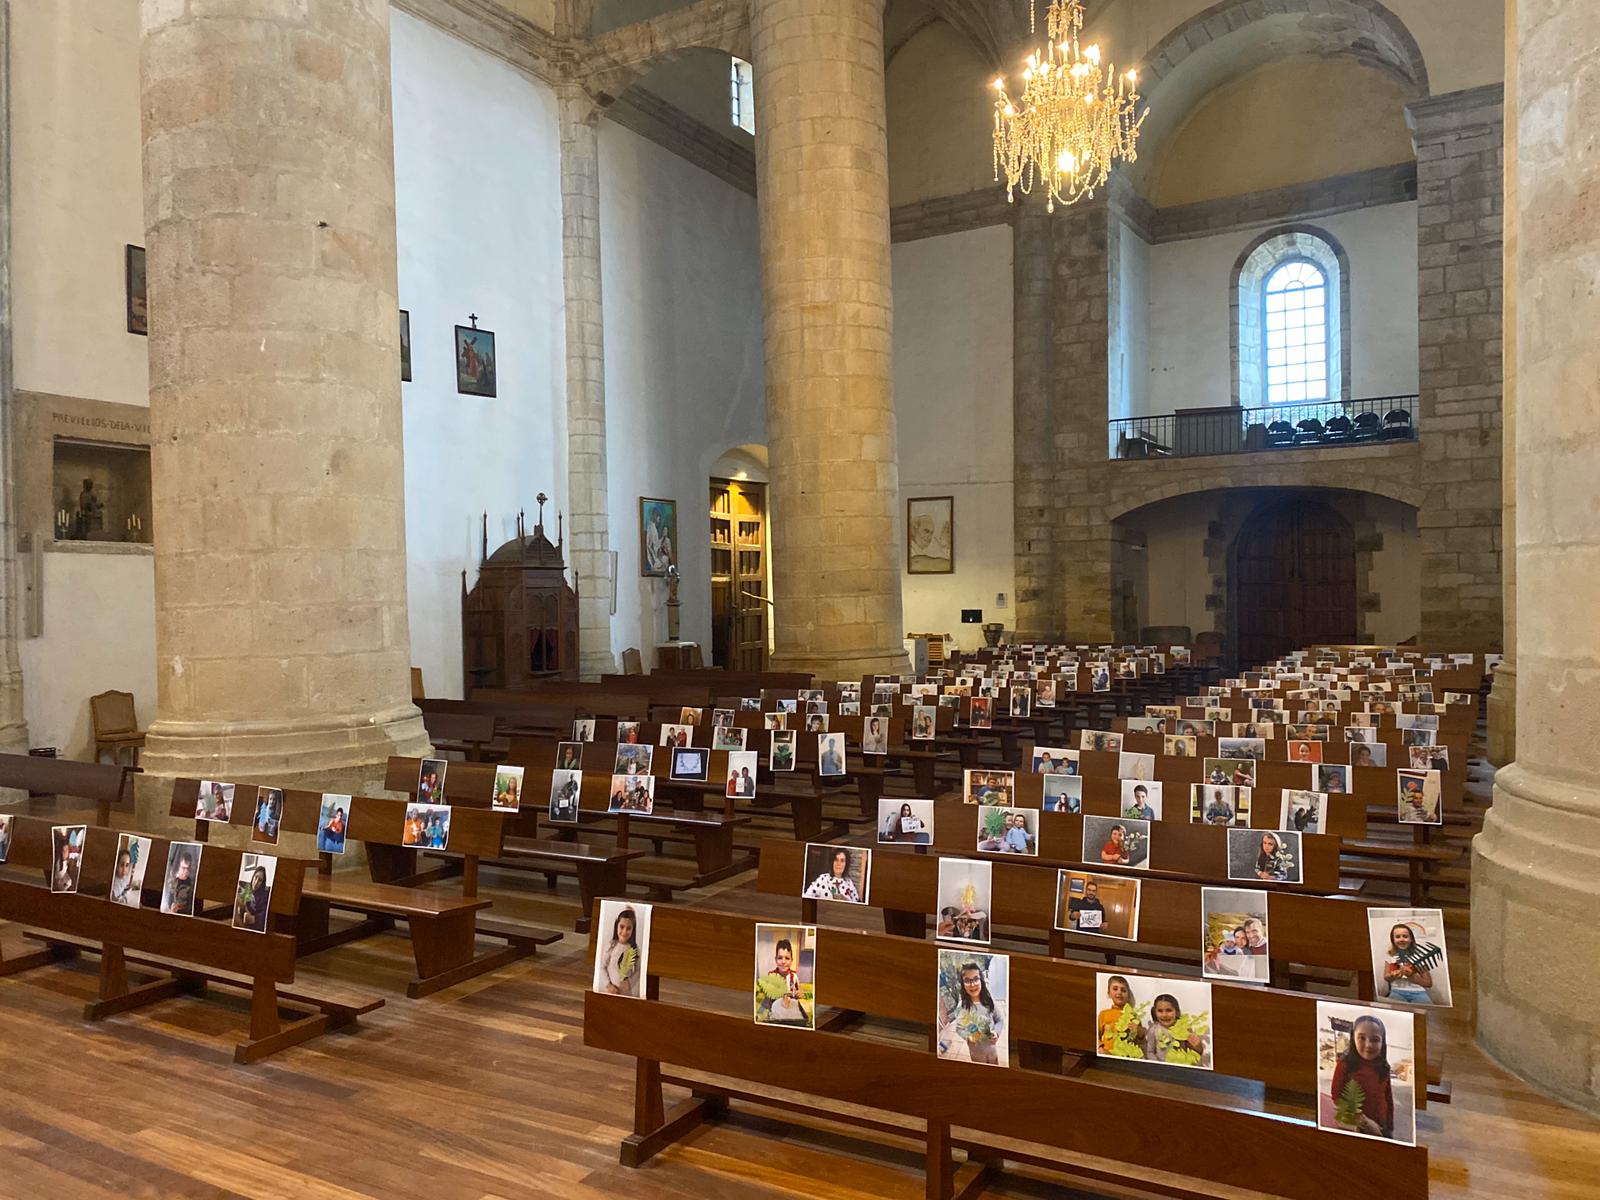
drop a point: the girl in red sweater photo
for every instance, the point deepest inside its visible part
(1364, 1072)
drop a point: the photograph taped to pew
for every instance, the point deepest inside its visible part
(427, 826)
(1219, 804)
(781, 755)
(565, 787)
(1366, 1072)
(632, 794)
(1141, 798)
(569, 756)
(633, 759)
(924, 720)
(1428, 758)
(1044, 693)
(178, 885)
(1410, 964)
(1267, 855)
(1117, 842)
(253, 897)
(1177, 745)
(507, 788)
(1311, 752)
(974, 1004)
(874, 736)
(583, 729)
(817, 722)
(750, 704)
(1240, 772)
(214, 801)
(1003, 830)
(1242, 747)
(1233, 931)
(721, 717)
(774, 720)
(988, 786)
(5, 836)
(1021, 702)
(905, 822)
(1332, 777)
(622, 950)
(1098, 905)
(430, 780)
(841, 873)
(786, 975)
(1304, 811)
(1063, 793)
(688, 716)
(269, 816)
(1099, 739)
(333, 823)
(1054, 760)
(1146, 724)
(628, 731)
(1153, 1019)
(980, 715)
(742, 768)
(127, 877)
(1418, 798)
(726, 737)
(676, 735)
(830, 754)
(690, 764)
(66, 857)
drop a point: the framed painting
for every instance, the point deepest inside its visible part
(133, 273)
(475, 362)
(658, 536)
(930, 535)
(405, 346)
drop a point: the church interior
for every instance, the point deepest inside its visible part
(1004, 544)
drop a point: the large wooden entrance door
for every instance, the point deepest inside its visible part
(1294, 580)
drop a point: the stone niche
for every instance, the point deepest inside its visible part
(83, 473)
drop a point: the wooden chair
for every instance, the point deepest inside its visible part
(417, 690)
(116, 727)
(632, 661)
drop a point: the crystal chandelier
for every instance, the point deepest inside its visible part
(1071, 123)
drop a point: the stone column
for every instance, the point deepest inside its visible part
(1458, 138)
(588, 522)
(1033, 425)
(13, 726)
(1536, 865)
(823, 197)
(282, 646)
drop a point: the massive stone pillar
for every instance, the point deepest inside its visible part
(282, 645)
(823, 196)
(13, 726)
(1536, 865)
(1033, 425)
(588, 523)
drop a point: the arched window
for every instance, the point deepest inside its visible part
(1295, 324)
(1291, 315)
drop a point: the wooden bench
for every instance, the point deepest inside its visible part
(104, 784)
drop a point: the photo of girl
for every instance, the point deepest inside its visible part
(1151, 1019)
(774, 720)
(841, 873)
(1366, 1072)
(905, 822)
(269, 816)
(253, 897)
(974, 992)
(66, 843)
(924, 722)
(127, 877)
(214, 802)
(1063, 793)
(785, 976)
(1311, 752)
(183, 872)
(333, 823)
(1233, 932)
(632, 794)
(1409, 961)
(875, 736)
(622, 950)
(507, 788)
(1210, 804)
(628, 731)
(1270, 856)
(1116, 842)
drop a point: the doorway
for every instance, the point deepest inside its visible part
(739, 605)
(1294, 580)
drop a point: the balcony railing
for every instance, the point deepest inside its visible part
(1201, 431)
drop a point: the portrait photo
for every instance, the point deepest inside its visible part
(622, 948)
(430, 780)
(930, 535)
(1233, 930)
(183, 874)
(741, 780)
(924, 721)
(1369, 754)
(781, 753)
(774, 720)
(785, 975)
(726, 737)
(1008, 830)
(1409, 961)
(629, 731)
(988, 786)
(1145, 724)
(633, 759)
(980, 712)
(1142, 799)
(875, 735)
(973, 1007)
(1176, 745)
(1054, 760)
(252, 895)
(66, 856)
(268, 817)
(475, 362)
(1063, 793)
(905, 822)
(1332, 777)
(963, 902)
(842, 873)
(583, 729)
(632, 794)
(1419, 797)
(1099, 677)
(830, 754)
(127, 876)
(1366, 1072)
(333, 823)
(427, 826)
(676, 734)
(1428, 758)
(1116, 842)
(1148, 1018)
(1304, 811)
(565, 788)
(1219, 804)
(138, 307)
(658, 537)
(214, 802)
(507, 788)
(1101, 905)
(1240, 772)
(1311, 752)
(5, 836)
(1021, 702)
(1264, 855)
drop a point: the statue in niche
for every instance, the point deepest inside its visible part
(90, 510)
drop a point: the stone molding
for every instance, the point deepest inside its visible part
(496, 30)
(674, 130)
(1379, 186)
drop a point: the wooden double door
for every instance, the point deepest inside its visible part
(1294, 580)
(739, 608)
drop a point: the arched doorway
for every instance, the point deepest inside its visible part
(1294, 580)
(741, 572)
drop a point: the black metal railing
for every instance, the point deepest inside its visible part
(1201, 431)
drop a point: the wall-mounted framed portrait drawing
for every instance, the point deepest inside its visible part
(133, 273)
(475, 362)
(930, 535)
(658, 536)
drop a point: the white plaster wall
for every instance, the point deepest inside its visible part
(478, 205)
(680, 267)
(1189, 365)
(99, 636)
(1132, 371)
(952, 383)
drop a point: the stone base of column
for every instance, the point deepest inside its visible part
(594, 663)
(843, 667)
(1535, 944)
(1502, 707)
(338, 754)
(13, 725)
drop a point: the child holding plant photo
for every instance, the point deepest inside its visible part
(1175, 1038)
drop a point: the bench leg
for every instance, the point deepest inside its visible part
(939, 1168)
(806, 811)
(598, 879)
(48, 953)
(653, 1128)
(444, 948)
(922, 773)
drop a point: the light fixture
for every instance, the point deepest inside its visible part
(1072, 123)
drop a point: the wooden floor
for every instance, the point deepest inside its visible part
(486, 1091)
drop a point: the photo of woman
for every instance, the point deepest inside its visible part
(507, 788)
(905, 822)
(253, 898)
(839, 873)
(1366, 1071)
(875, 736)
(972, 1007)
(427, 826)
(632, 794)
(622, 956)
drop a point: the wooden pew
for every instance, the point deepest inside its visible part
(102, 783)
(184, 954)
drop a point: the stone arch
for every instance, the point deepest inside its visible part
(1245, 284)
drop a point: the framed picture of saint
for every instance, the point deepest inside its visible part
(475, 362)
(133, 270)
(658, 536)
(930, 535)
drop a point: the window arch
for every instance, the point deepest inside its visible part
(1291, 313)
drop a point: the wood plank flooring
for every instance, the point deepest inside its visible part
(486, 1092)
